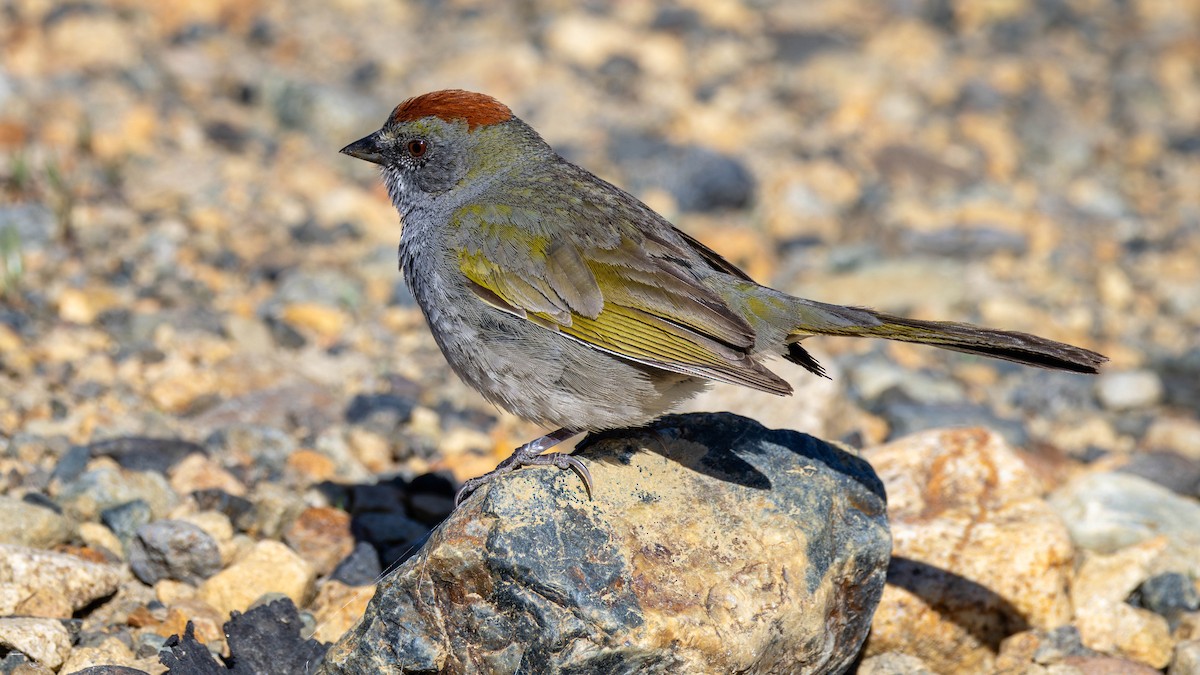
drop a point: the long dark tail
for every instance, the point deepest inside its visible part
(822, 319)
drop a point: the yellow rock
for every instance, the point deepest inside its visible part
(325, 321)
(269, 567)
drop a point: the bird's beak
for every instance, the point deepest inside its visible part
(366, 148)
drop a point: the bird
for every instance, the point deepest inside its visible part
(570, 303)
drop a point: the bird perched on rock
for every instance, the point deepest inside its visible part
(566, 301)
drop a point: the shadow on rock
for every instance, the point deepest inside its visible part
(941, 589)
(721, 450)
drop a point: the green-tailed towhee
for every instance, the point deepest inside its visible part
(568, 302)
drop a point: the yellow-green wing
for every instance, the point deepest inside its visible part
(628, 293)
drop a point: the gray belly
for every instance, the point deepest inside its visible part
(544, 376)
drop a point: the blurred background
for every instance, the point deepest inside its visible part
(185, 257)
(182, 246)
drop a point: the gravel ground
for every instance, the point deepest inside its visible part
(214, 385)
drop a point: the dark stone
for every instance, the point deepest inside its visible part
(1181, 379)
(676, 19)
(529, 575)
(173, 549)
(1169, 595)
(227, 136)
(310, 232)
(435, 483)
(394, 535)
(1060, 643)
(16, 663)
(365, 74)
(1170, 470)
(125, 519)
(430, 509)
(619, 75)
(286, 335)
(263, 641)
(1188, 144)
(145, 454)
(380, 412)
(906, 418)
(239, 509)
(39, 499)
(700, 179)
(360, 568)
(798, 46)
(72, 464)
(386, 496)
(110, 670)
(262, 450)
(1052, 394)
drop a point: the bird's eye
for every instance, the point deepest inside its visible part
(417, 147)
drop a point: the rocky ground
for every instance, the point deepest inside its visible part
(215, 391)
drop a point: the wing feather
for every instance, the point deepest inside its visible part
(632, 294)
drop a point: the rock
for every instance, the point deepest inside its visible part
(1181, 379)
(958, 585)
(16, 663)
(26, 524)
(382, 413)
(145, 454)
(173, 549)
(712, 544)
(321, 535)
(1169, 595)
(1042, 647)
(104, 487)
(1107, 623)
(125, 519)
(360, 568)
(46, 641)
(275, 507)
(1186, 660)
(1108, 511)
(893, 663)
(97, 536)
(393, 534)
(263, 641)
(49, 584)
(1176, 435)
(201, 472)
(1129, 390)
(202, 616)
(263, 451)
(239, 510)
(699, 178)
(270, 567)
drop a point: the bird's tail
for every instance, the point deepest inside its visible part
(818, 318)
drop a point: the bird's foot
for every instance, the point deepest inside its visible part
(530, 454)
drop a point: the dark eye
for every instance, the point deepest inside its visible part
(417, 147)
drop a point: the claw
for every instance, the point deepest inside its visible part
(582, 471)
(530, 455)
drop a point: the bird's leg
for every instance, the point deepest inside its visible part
(530, 454)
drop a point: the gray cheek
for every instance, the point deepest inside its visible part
(442, 173)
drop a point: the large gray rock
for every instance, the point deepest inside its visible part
(712, 545)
